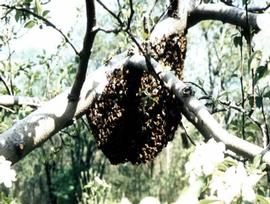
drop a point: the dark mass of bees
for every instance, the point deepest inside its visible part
(171, 51)
(136, 116)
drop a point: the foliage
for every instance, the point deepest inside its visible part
(220, 178)
(69, 169)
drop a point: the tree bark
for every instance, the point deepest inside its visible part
(226, 14)
(30, 132)
(9, 100)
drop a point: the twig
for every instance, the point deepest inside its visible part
(86, 124)
(127, 30)
(151, 9)
(185, 136)
(46, 21)
(8, 109)
(6, 86)
(115, 31)
(121, 24)
(198, 86)
(209, 59)
(147, 16)
(130, 15)
(9, 100)
(46, 2)
(262, 127)
(242, 90)
(258, 9)
(265, 125)
(252, 9)
(85, 52)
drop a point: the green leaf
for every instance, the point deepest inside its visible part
(38, 8)
(257, 161)
(18, 15)
(30, 24)
(267, 95)
(258, 101)
(222, 167)
(45, 13)
(237, 40)
(245, 2)
(260, 72)
(252, 57)
(229, 162)
(263, 166)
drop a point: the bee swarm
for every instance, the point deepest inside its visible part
(136, 116)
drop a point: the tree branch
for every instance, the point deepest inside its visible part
(198, 115)
(121, 24)
(86, 50)
(9, 100)
(258, 9)
(5, 84)
(46, 21)
(40, 125)
(224, 13)
(58, 113)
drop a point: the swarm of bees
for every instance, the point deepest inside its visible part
(171, 51)
(136, 115)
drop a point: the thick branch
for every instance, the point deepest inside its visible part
(198, 115)
(29, 133)
(224, 13)
(8, 100)
(86, 50)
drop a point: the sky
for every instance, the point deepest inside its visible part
(63, 15)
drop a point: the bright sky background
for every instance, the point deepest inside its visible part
(63, 15)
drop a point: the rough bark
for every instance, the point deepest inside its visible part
(226, 14)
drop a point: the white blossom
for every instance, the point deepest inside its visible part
(149, 200)
(7, 175)
(234, 183)
(204, 159)
(125, 200)
(101, 182)
(261, 39)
